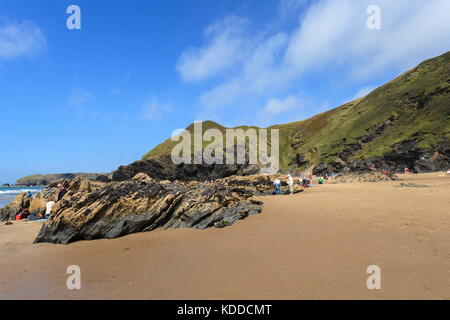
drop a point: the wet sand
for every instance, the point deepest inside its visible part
(313, 245)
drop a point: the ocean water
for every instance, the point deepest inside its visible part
(8, 194)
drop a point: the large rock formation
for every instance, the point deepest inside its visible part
(142, 203)
(162, 167)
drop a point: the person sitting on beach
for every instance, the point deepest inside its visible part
(291, 184)
(277, 184)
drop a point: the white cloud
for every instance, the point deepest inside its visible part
(331, 36)
(259, 71)
(155, 110)
(19, 39)
(79, 97)
(363, 92)
(334, 33)
(277, 106)
(225, 48)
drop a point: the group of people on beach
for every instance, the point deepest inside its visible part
(305, 182)
(24, 211)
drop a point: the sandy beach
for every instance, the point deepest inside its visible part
(313, 245)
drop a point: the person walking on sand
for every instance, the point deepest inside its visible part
(291, 184)
(277, 184)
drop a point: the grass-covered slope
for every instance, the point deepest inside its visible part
(413, 108)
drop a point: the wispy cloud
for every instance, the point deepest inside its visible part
(154, 110)
(19, 39)
(334, 34)
(288, 7)
(277, 106)
(331, 35)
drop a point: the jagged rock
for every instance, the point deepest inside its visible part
(403, 155)
(163, 168)
(144, 204)
(103, 178)
(9, 211)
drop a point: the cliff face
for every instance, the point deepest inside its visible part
(405, 123)
(162, 167)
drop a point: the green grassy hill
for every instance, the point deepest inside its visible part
(410, 113)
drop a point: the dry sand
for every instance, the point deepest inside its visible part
(313, 245)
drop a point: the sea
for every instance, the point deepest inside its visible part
(10, 193)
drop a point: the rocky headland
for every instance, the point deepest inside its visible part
(47, 179)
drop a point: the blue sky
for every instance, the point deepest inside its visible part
(90, 100)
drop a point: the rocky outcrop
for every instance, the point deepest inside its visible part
(9, 211)
(162, 167)
(36, 203)
(407, 154)
(403, 155)
(365, 177)
(143, 203)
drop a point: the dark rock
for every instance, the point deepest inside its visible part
(300, 160)
(144, 204)
(102, 178)
(403, 155)
(163, 168)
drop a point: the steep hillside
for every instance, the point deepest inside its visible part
(405, 123)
